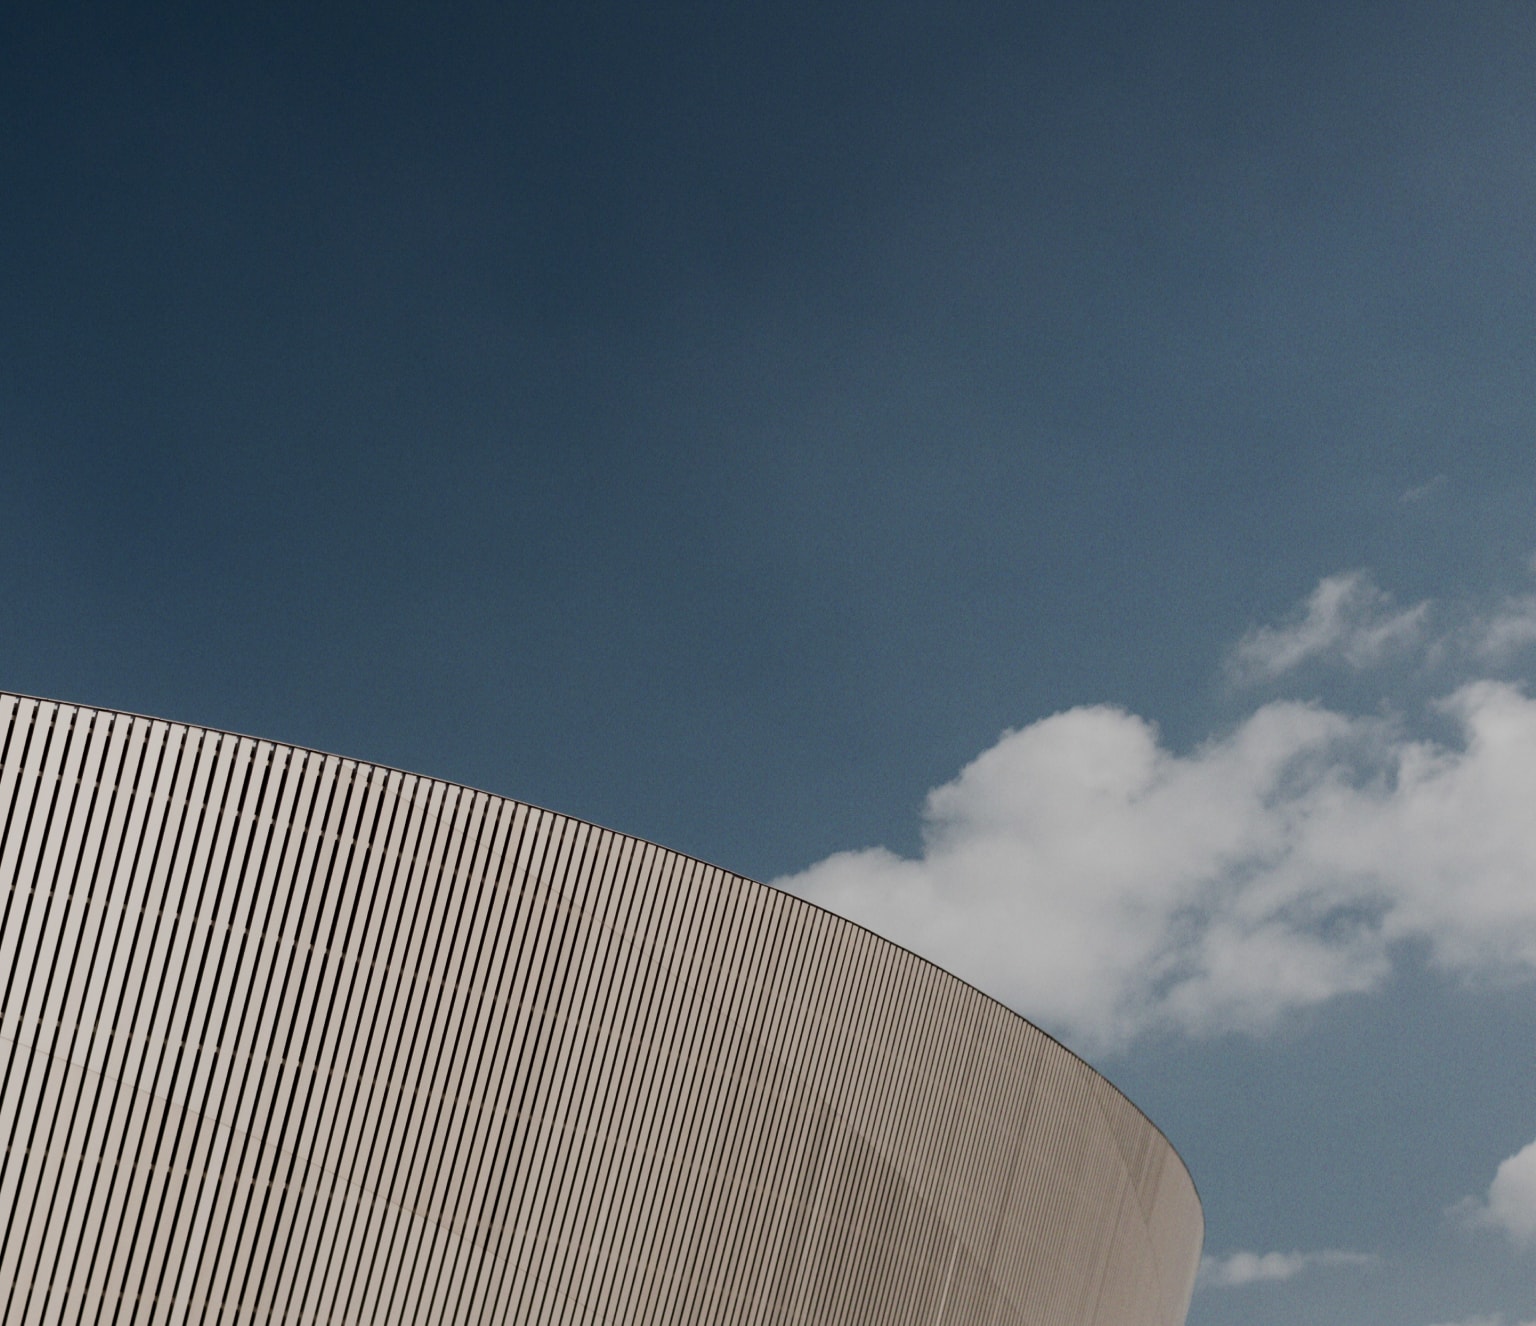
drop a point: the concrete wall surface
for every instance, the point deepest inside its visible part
(290, 1038)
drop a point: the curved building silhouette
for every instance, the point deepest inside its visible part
(292, 1038)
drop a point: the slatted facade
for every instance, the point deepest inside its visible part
(289, 1038)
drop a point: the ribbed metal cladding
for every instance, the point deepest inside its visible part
(291, 1038)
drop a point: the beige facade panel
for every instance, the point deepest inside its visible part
(286, 1037)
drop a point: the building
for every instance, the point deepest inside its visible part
(288, 1037)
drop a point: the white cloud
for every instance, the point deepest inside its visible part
(1346, 619)
(1493, 1319)
(1107, 886)
(1423, 490)
(1246, 1268)
(1507, 630)
(1511, 1202)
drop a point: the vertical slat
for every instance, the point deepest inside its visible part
(287, 1038)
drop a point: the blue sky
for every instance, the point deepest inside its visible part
(734, 424)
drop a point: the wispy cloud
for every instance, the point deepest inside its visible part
(1108, 886)
(1347, 619)
(1510, 1205)
(1246, 1268)
(1420, 491)
(1509, 628)
(1492, 1319)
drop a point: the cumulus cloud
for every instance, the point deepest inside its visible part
(1511, 1202)
(1347, 619)
(1246, 1268)
(1107, 886)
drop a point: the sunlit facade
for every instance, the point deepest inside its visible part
(291, 1038)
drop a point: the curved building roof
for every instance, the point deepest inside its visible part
(288, 1037)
